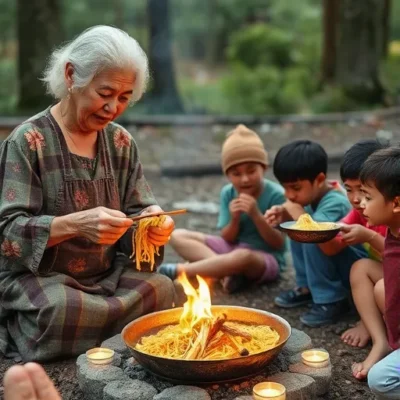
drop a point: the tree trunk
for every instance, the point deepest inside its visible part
(163, 97)
(329, 27)
(359, 49)
(39, 30)
(386, 28)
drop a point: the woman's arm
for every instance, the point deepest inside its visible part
(100, 225)
(61, 229)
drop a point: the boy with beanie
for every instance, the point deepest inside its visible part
(248, 249)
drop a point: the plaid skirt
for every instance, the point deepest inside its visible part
(43, 318)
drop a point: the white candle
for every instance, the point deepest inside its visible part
(100, 355)
(269, 391)
(315, 358)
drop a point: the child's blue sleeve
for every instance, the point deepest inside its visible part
(224, 214)
(332, 209)
(278, 197)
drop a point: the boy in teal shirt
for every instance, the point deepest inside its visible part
(248, 249)
(322, 281)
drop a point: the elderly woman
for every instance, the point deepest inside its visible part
(69, 179)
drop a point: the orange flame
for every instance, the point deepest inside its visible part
(197, 308)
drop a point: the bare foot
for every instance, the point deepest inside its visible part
(357, 336)
(379, 350)
(28, 382)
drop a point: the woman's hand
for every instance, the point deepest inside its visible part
(100, 225)
(159, 235)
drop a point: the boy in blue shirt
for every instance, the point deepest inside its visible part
(322, 281)
(248, 249)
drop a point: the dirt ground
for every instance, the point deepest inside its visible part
(207, 189)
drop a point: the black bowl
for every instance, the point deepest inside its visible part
(304, 236)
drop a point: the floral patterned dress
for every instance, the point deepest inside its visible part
(60, 301)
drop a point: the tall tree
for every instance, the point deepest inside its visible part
(386, 27)
(329, 25)
(39, 30)
(353, 46)
(163, 97)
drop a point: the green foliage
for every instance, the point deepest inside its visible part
(8, 90)
(265, 53)
(261, 44)
(7, 20)
(334, 99)
(200, 98)
(266, 90)
(274, 65)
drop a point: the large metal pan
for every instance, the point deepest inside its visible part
(205, 371)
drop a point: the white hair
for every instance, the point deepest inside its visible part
(96, 49)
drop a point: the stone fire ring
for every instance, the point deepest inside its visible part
(125, 379)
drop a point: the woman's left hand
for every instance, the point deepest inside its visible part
(159, 235)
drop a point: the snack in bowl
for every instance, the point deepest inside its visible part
(306, 230)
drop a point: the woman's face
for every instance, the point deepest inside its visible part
(103, 100)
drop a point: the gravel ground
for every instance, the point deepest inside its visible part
(207, 189)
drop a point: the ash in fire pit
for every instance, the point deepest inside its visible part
(126, 379)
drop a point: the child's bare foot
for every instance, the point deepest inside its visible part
(379, 350)
(28, 382)
(357, 336)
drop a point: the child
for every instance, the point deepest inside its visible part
(366, 272)
(380, 176)
(301, 168)
(356, 230)
(248, 249)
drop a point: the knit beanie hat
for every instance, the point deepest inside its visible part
(242, 145)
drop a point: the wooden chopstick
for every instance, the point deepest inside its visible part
(158, 213)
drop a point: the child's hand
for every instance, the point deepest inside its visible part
(355, 234)
(275, 215)
(235, 209)
(248, 204)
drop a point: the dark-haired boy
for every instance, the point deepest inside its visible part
(365, 273)
(301, 168)
(380, 176)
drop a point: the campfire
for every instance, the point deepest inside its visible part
(203, 335)
(204, 343)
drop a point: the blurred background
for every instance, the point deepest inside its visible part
(220, 57)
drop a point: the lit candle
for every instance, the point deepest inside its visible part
(269, 391)
(100, 355)
(315, 358)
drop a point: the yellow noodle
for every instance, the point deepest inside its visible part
(143, 249)
(306, 223)
(171, 342)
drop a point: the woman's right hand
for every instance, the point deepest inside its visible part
(100, 225)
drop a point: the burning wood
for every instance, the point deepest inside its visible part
(230, 330)
(202, 336)
(207, 333)
(240, 349)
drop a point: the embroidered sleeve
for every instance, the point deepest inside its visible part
(24, 232)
